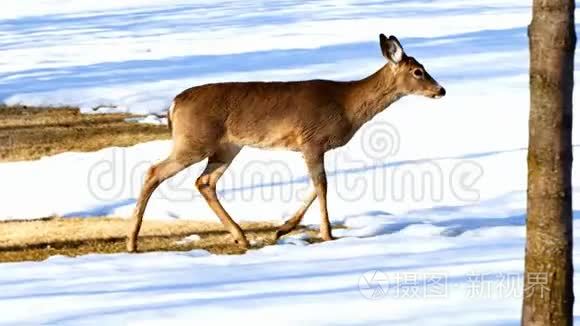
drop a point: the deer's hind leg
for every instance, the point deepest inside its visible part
(217, 164)
(176, 162)
(293, 222)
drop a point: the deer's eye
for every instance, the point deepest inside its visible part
(418, 73)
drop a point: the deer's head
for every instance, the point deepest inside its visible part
(410, 76)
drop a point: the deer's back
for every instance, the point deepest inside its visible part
(267, 114)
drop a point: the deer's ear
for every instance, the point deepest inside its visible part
(391, 48)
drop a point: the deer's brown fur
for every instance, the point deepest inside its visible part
(215, 121)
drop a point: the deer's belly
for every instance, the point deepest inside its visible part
(280, 139)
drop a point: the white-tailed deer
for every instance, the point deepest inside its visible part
(215, 121)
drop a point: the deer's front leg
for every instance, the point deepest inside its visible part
(315, 164)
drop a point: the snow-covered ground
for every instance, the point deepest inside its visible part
(432, 192)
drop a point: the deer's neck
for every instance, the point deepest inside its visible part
(371, 95)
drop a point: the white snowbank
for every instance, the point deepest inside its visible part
(432, 193)
(139, 55)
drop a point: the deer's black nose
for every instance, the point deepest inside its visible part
(442, 91)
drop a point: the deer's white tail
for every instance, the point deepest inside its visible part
(169, 114)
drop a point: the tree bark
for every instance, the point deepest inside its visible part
(548, 293)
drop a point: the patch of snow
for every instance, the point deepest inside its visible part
(188, 239)
(152, 119)
(300, 239)
(256, 242)
(140, 57)
(428, 191)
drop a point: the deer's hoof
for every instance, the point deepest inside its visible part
(327, 237)
(131, 247)
(243, 243)
(280, 233)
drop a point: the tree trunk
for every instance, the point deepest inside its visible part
(548, 292)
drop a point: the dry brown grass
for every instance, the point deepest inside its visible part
(28, 133)
(40, 239)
